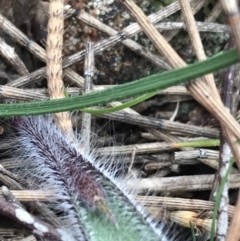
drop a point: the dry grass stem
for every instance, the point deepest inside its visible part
(8, 232)
(202, 27)
(11, 56)
(138, 148)
(234, 231)
(54, 61)
(29, 238)
(88, 73)
(172, 127)
(222, 219)
(197, 43)
(21, 38)
(196, 6)
(199, 153)
(225, 156)
(217, 9)
(8, 196)
(170, 203)
(8, 92)
(162, 135)
(155, 166)
(233, 14)
(33, 195)
(158, 147)
(40, 52)
(197, 220)
(152, 205)
(174, 184)
(179, 210)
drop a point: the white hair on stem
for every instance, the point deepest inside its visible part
(95, 205)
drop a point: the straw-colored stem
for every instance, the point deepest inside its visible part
(54, 60)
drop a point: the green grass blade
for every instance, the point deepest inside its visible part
(218, 197)
(192, 231)
(149, 84)
(119, 107)
(200, 143)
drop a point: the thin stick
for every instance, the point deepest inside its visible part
(222, 219)
(149, 147)
(29, 238)
(10, 55)
(197, 43)
(234, 231)
(174, 184)
(233, 14)
(162, 124)
(232, 11)
(171, 203)
(8, 195)
(225, 156)
(89, 73)
(54, 61)
(217, 9)
(201, 26)
(196, 6)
